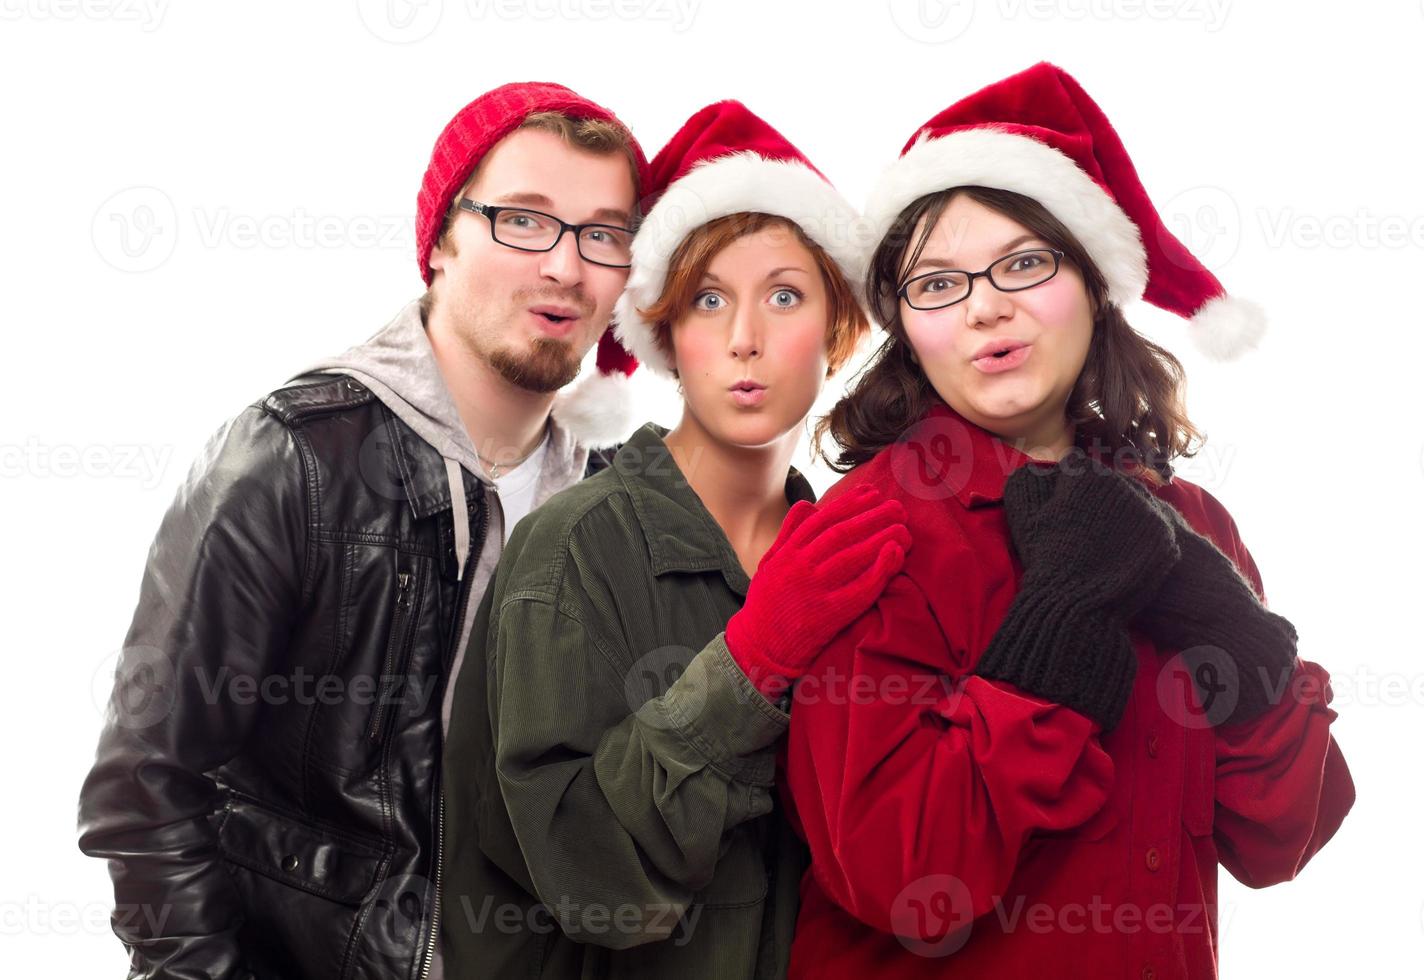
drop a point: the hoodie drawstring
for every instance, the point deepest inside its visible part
(460, 512)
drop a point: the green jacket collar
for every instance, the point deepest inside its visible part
(681, 534)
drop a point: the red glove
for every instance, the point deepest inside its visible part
(826, 568)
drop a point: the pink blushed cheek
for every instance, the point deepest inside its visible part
(696, 349)
(801, 342)
(1057, 305)
(932, 333)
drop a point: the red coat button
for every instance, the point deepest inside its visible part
(1154, 859)
(1152, 744)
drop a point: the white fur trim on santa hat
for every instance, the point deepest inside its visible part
(733, 184)
(1227, 327)
(597, 409)
(989, 157)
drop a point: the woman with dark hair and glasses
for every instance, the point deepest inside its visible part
(1072, 703)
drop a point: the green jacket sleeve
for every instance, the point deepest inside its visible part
(620, 806)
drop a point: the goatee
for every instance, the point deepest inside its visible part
(548, 366)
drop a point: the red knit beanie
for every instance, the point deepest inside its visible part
(478, 127)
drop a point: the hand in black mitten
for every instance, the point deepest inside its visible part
(1091, 529)
(1207, 610)
(1094, 549)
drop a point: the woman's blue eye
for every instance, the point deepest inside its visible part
(707, 301)
(785, 298)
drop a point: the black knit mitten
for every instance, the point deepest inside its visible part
(1094, 549)
(1209, 612)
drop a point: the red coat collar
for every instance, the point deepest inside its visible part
(945, 455)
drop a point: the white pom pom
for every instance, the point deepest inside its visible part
(597, 409)
(1227, 327)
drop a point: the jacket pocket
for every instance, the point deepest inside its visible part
(1199, 783)
(298, 853)
(740, 880)
(391, 685)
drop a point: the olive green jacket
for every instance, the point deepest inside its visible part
(609, 770)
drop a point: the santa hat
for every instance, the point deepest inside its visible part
(1038, 133)
(596, 409)
(726, 160)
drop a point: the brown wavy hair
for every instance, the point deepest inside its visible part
(1129, 399)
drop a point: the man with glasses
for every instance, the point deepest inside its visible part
(266, 788)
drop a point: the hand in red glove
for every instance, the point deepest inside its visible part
(826, 568)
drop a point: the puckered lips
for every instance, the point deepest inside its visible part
(1000, 355)
(555, 319)
(748, 392)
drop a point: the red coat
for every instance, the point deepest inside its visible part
(1006, 832)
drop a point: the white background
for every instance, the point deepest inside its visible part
(197, 199)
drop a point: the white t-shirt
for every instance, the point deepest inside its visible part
(517, 486)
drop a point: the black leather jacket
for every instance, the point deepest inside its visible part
(266, 786)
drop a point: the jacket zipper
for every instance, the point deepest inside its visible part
(476, 546)
(435, 899)
(398, 630)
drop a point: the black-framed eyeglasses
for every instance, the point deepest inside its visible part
(1008, 274)
(535, 231)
